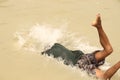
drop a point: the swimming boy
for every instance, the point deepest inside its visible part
(89, 62)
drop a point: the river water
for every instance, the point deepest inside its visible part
(27, 27)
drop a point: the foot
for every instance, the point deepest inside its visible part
(97, 22)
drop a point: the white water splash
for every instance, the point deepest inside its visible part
(38, 37)
(41, 37)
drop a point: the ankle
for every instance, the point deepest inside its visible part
(99, 27)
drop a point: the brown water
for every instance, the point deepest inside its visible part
(20, 16)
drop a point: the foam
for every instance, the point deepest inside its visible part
(44, 36)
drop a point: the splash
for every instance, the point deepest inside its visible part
(42, 37)
(38, 37)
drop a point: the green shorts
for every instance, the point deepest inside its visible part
(59, 51)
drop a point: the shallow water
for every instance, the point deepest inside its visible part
(21, 24)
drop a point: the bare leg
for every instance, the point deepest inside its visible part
(103, 40)
(109, 73)
(105, 52)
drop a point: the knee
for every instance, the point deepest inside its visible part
(109, 50)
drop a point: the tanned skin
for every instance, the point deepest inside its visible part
(107, 50)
